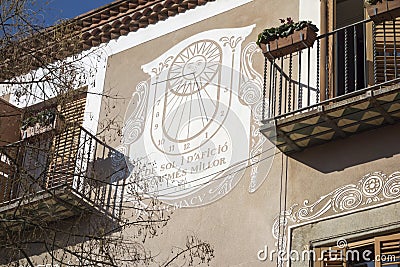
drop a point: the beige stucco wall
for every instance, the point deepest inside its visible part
(240, 224)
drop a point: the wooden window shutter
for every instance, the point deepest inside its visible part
(388, 250)
(385, 44)
(330, 257)
(74, 109)
(65, 144)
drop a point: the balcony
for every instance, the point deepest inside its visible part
(348, 82)
(55, 175)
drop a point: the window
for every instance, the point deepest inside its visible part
(352, 42)
(383, 251)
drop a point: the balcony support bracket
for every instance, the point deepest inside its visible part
(289, 141)
(333, 125)
(378, 107)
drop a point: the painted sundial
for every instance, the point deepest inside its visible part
(193, 125)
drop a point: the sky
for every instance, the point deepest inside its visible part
(66, 9)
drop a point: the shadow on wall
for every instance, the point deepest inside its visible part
(53, 239)
(90, 219)
(353, 150)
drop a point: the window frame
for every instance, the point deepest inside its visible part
(376, 241)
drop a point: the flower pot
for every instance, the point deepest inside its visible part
(57, 125)
(286, 45)
(387, 10)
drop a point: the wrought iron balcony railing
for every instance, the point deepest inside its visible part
(348, 82)
(342, 62)
(72, 167)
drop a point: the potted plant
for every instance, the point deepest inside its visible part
(40, 122)
(382, 10)
(288, 38)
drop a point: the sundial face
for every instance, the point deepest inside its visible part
(187, 127)
(194, 67)
(194, 106)
(190, 137)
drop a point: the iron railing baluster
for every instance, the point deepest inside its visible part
(394, 49)
(384, 52)
(308, 77)
(280, 89)
(97, 188)
(346, 62)
(277, 71)
(264, 92)
(365, 57)
(285, 94)
(355, 58)
(374, 53)
(94, 179)
(121, 196)
(81, 180)
(91, 140)
(327, 87)
(300, 97)
(271, 88)
(318, 66)
(290, 82)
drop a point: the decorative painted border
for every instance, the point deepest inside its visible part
(374, 188)
(251, 93)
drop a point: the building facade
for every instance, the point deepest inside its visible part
(290, 160)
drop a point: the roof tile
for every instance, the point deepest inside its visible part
(102, 25)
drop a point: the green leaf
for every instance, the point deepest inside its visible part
(284, 30)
